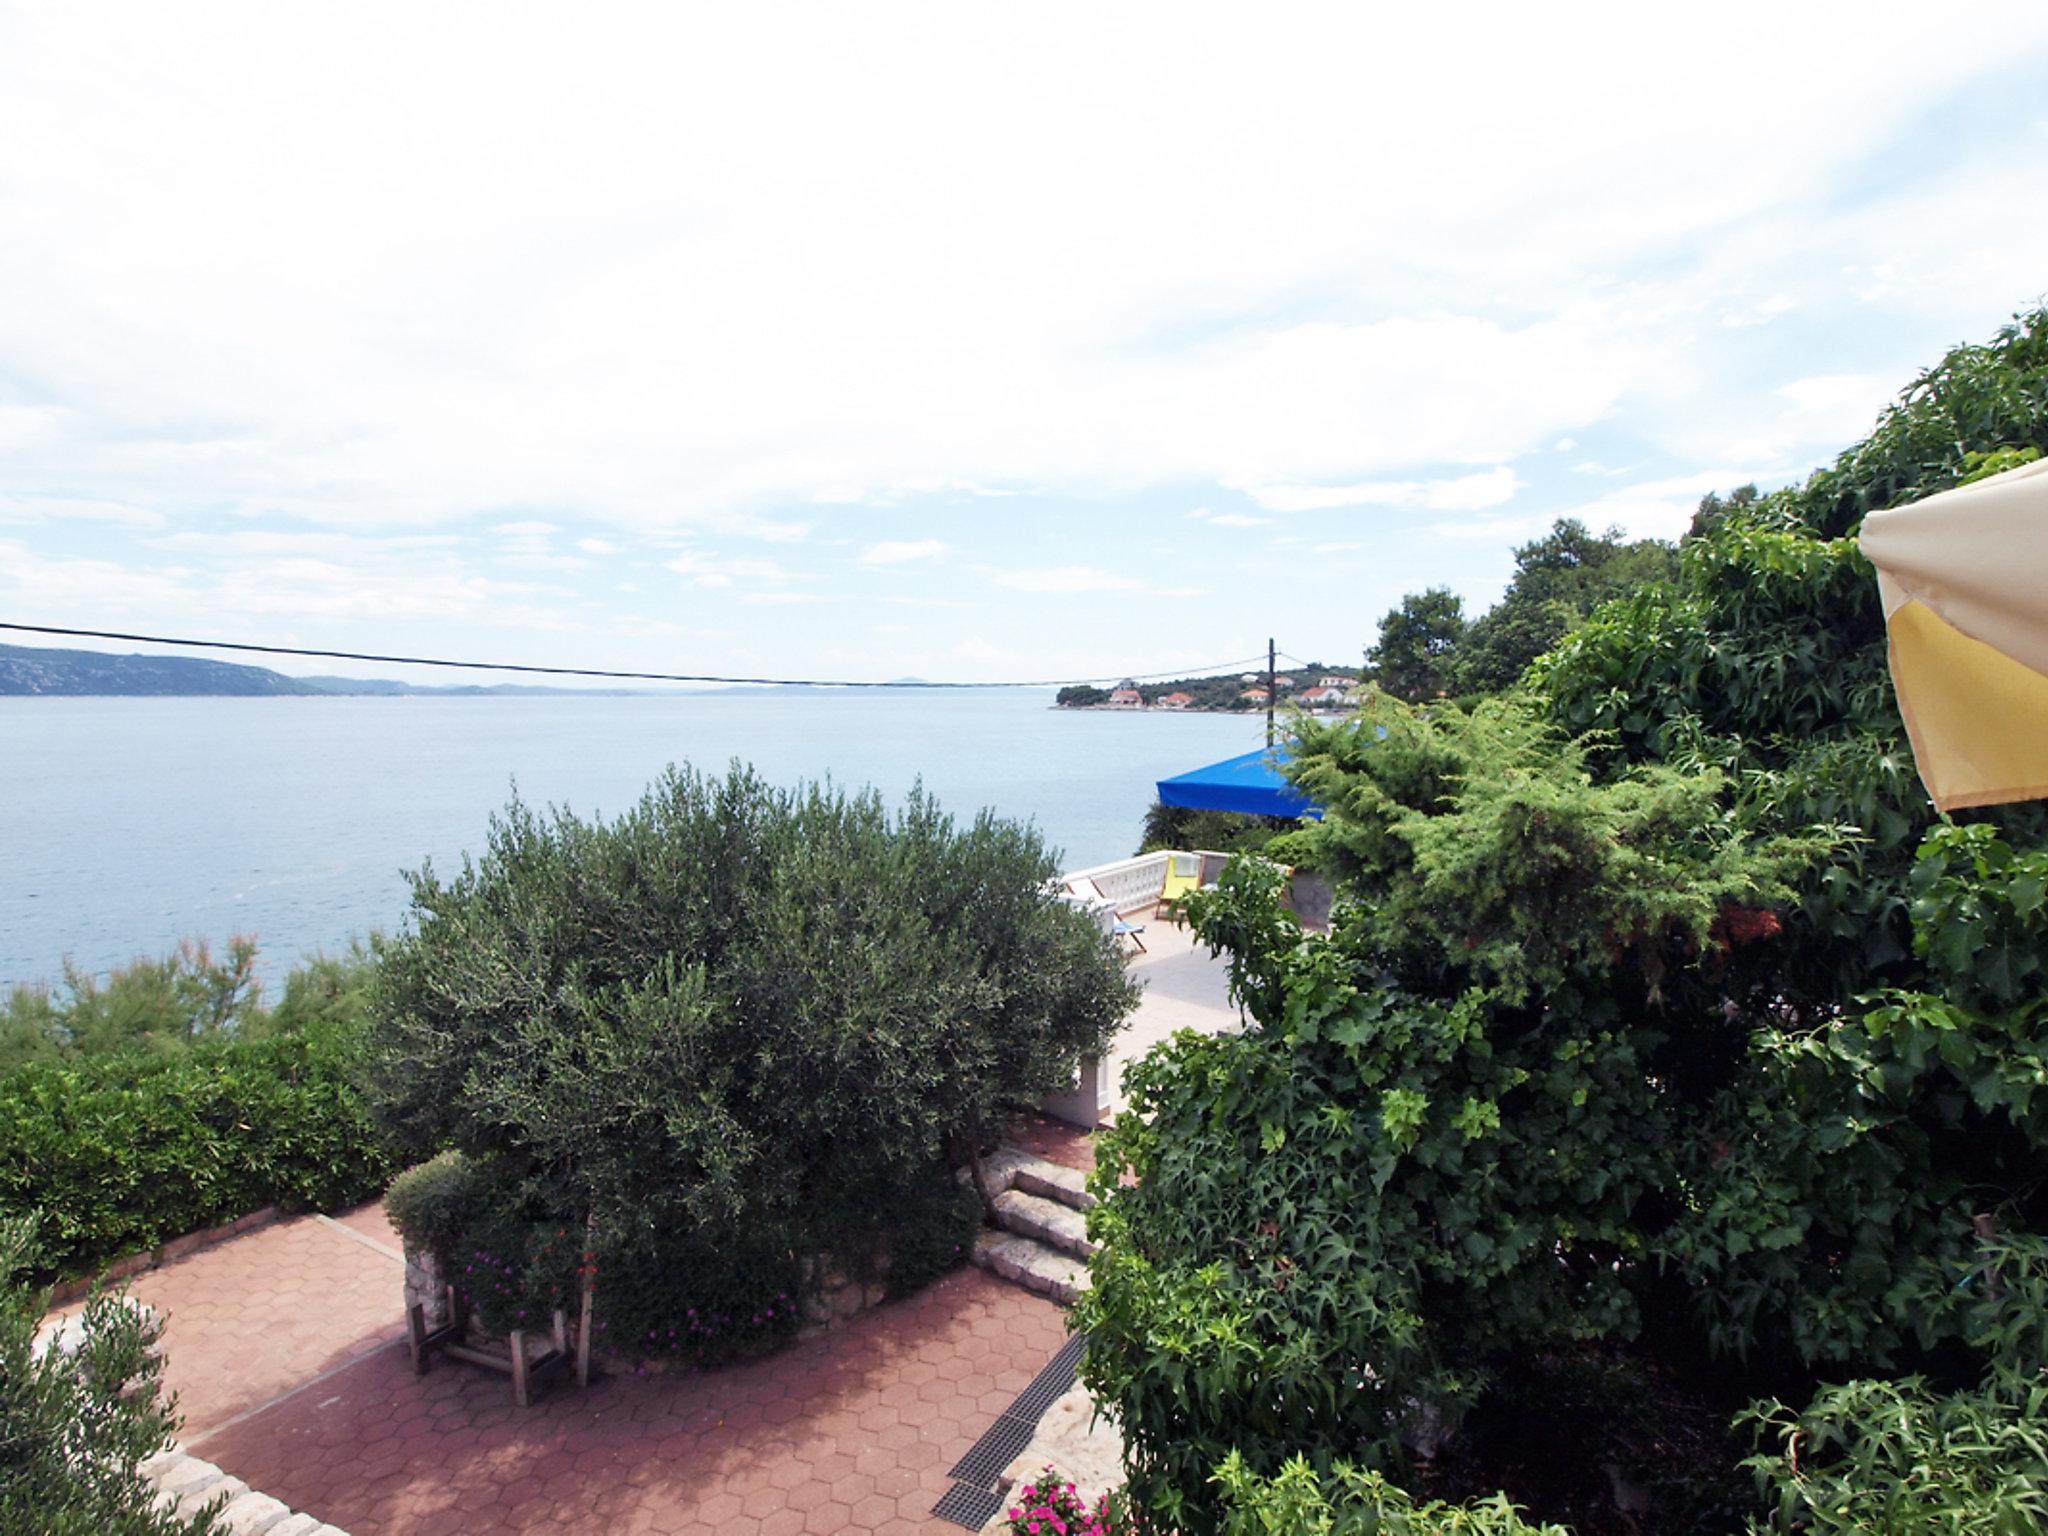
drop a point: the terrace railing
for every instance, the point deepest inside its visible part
(1130, 884)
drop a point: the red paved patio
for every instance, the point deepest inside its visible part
(285, 1350)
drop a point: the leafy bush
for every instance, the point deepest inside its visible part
(516, 1266)
(1443, 1143)
(75, 1426)
(433, 1204)
(153, 1005)
(1896, 1458)
(703, 1296)
(1686, 1032)
(736, 1010)
(125, 1152)
(1177, 827)
(931, 1234)
(1297, 1500)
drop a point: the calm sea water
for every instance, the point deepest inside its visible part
(129, 824)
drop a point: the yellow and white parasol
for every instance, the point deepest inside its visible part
(1963, 576)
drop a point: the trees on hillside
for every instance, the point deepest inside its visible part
(1413, 659)
(1558, 580)
(1428, 648)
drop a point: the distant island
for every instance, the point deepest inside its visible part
(43, 671)
(40, 670)
(1314, 687)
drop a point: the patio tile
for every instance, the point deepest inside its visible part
(285, 1347)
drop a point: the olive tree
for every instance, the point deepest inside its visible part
(758, 1020)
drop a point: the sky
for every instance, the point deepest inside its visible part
(951, 341)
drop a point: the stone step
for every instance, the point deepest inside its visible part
(1045, 1221)
(1013, 1168)
(1032, 1265)
(1055, 1181)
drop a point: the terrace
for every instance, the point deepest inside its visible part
(286, 1347)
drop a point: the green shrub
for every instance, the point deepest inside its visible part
(699, 1296)
(151, 1005)
(433, 1204)
(1689, 1025)
(932, 1233)
(74, 1427)
(517, 1267)
(1176, 827)
(1896, 1458)
(1347, 1501)
(122, 1153)
(736, 1010)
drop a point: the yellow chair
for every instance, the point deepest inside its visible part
(1183, 874)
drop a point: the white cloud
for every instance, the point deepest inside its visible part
(73, 509)
(840, 303)
(902, 551)
(1073, 580)
(261, 586)
(1760, 313)
(1650, 509)
(1466, 493)
(715, 571)
(1238, 520)
(1811, 417)
(1068, 579)
(692, 285)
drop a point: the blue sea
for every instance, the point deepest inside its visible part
(127, 825)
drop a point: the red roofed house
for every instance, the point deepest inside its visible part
(1177, 701)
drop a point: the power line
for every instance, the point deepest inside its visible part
(643, 677)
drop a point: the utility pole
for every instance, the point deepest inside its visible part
(1270, 690)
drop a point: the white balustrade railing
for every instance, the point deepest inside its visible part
(1128, 884)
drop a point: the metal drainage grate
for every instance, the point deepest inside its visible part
(972, 1498)
(1050, 1384)
(1003, 1444)
(969, 1507)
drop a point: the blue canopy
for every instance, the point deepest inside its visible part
(1249, 783)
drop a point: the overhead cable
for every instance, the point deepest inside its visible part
(644, 677)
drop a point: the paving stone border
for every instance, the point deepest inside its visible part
(185, 1485)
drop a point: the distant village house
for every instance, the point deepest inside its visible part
(1177, 701)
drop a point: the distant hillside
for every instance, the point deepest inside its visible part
(26, 669)
(34, 669)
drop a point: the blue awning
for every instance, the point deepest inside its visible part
(1250, 784)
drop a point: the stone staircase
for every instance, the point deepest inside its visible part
(1041, 1237)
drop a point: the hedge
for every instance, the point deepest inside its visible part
(120, 1154)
